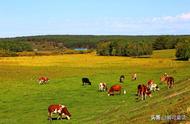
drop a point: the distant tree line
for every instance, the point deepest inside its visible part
(104, 44)
(124, 48)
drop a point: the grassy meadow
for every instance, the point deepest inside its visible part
(24, 101)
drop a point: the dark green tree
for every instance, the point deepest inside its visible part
(183, 49)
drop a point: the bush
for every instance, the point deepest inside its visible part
(164, 42)
(6, 53)
(183, 49)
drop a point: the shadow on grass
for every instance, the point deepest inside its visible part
(178, 59)
(54, 119)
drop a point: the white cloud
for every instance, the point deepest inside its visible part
(185, 16)
(179, 24)
(177, 18)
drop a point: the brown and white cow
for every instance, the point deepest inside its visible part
(113, 89)
(43, 80)
(167, 79)
(143, 91)
(152, 86)
(59, 109)
(103, 87)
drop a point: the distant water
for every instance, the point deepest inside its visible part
(80, 49)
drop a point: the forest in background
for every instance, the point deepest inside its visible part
(119, 45)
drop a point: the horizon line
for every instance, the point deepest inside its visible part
(20, 36)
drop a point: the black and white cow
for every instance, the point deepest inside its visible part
(85, 81)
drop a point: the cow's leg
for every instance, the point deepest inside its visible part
(43, 82)
(144, 96)
(141, 95)
(68, 117)
(138, 93)
(59, 117)
(49, 116)
(99, 88)
(120, 92)
(168, 83)
(172, 83)
(40, 82)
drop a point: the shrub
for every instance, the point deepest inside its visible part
(183, 49)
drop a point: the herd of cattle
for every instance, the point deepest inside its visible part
(143, 90)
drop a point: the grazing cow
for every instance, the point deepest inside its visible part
(114, 88)
(152, 86)
(168, 79)
(102, 87)
(58, 109)
(85, 81)
(43, 80)
(134, 76)
(143, 91)
(121, 79)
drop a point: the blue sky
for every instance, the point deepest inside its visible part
(96, 17)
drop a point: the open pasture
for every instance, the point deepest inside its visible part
(24, 101)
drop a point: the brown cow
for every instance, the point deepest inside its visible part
(114, 88)
(167, 79)
(143, 91)
(43, 80)
(58, 109)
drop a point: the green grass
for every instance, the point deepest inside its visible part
(23, 101)
(164, 54)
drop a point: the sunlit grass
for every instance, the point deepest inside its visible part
(23, 100)
(160, 60)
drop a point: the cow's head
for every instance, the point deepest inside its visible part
(163, 78)
(157, 88)
(65, 111)
(110, 94)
